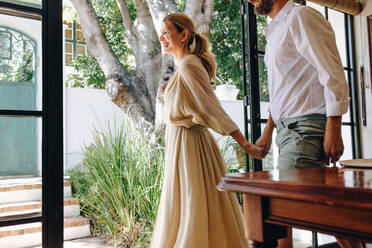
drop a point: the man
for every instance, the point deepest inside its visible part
(307, 87)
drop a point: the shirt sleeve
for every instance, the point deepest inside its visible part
(314, 39)
(201, 103)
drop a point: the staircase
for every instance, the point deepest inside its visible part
(23, 196)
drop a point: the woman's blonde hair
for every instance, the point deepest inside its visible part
(196, 43)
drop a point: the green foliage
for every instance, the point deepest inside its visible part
(119, 183)
(225, 40)
(88, 74)
(228, 148)
(180, 4)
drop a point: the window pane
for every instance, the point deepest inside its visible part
(68, 47)
(68, 33)
(68, 59)
(262, 22)
(20, 153)
(79, 35)
(346, 117)
(20, 63)
(346, 136)
(20, 179)
(80, 49)
(271, 160)
(28, 3)
(264, 91)
(337, 20)
(68, 24)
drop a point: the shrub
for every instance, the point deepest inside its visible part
(119, 183)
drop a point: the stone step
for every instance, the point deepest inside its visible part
(28, 235)
(71, 208)
(25, 190)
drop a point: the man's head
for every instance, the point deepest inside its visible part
(262, 7)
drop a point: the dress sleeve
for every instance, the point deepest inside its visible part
(200, 103)
(315, 40)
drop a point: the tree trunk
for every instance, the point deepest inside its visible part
(133, 92)
(140, 92)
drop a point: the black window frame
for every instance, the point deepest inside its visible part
(51, 114)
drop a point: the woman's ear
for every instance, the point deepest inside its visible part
(185, 35)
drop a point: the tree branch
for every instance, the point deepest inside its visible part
(96, 41)
(201, 13)
(193, 8)
(159, 9)
(204, 28)
(127, 22)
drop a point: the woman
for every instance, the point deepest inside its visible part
(192, 213)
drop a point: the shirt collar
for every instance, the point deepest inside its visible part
(279, 17)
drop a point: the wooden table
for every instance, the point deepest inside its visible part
(332, 200)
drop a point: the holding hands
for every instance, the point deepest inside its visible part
(251, 149)
(266, 138)
(254, 151)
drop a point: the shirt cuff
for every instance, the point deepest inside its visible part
(337, 108)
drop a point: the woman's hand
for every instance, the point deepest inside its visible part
(254, 151)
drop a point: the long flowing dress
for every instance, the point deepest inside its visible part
(192, 212)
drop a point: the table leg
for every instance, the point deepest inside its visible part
(259, 233)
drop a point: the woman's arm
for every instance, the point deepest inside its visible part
(253, 150)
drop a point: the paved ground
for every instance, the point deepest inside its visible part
(99, 242)
(95, 242)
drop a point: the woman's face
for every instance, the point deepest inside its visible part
(171, 40)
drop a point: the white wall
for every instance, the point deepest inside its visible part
(363, 59)
(84, 109)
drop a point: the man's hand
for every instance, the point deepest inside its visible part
(265, 142)
(266, 138)
(251, 149)
(333, 144)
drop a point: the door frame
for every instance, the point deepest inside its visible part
(51, 114)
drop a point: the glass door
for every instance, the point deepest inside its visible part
(31, 127)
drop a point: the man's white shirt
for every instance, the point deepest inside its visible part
(305, 72)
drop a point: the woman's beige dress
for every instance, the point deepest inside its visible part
(192, 212)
